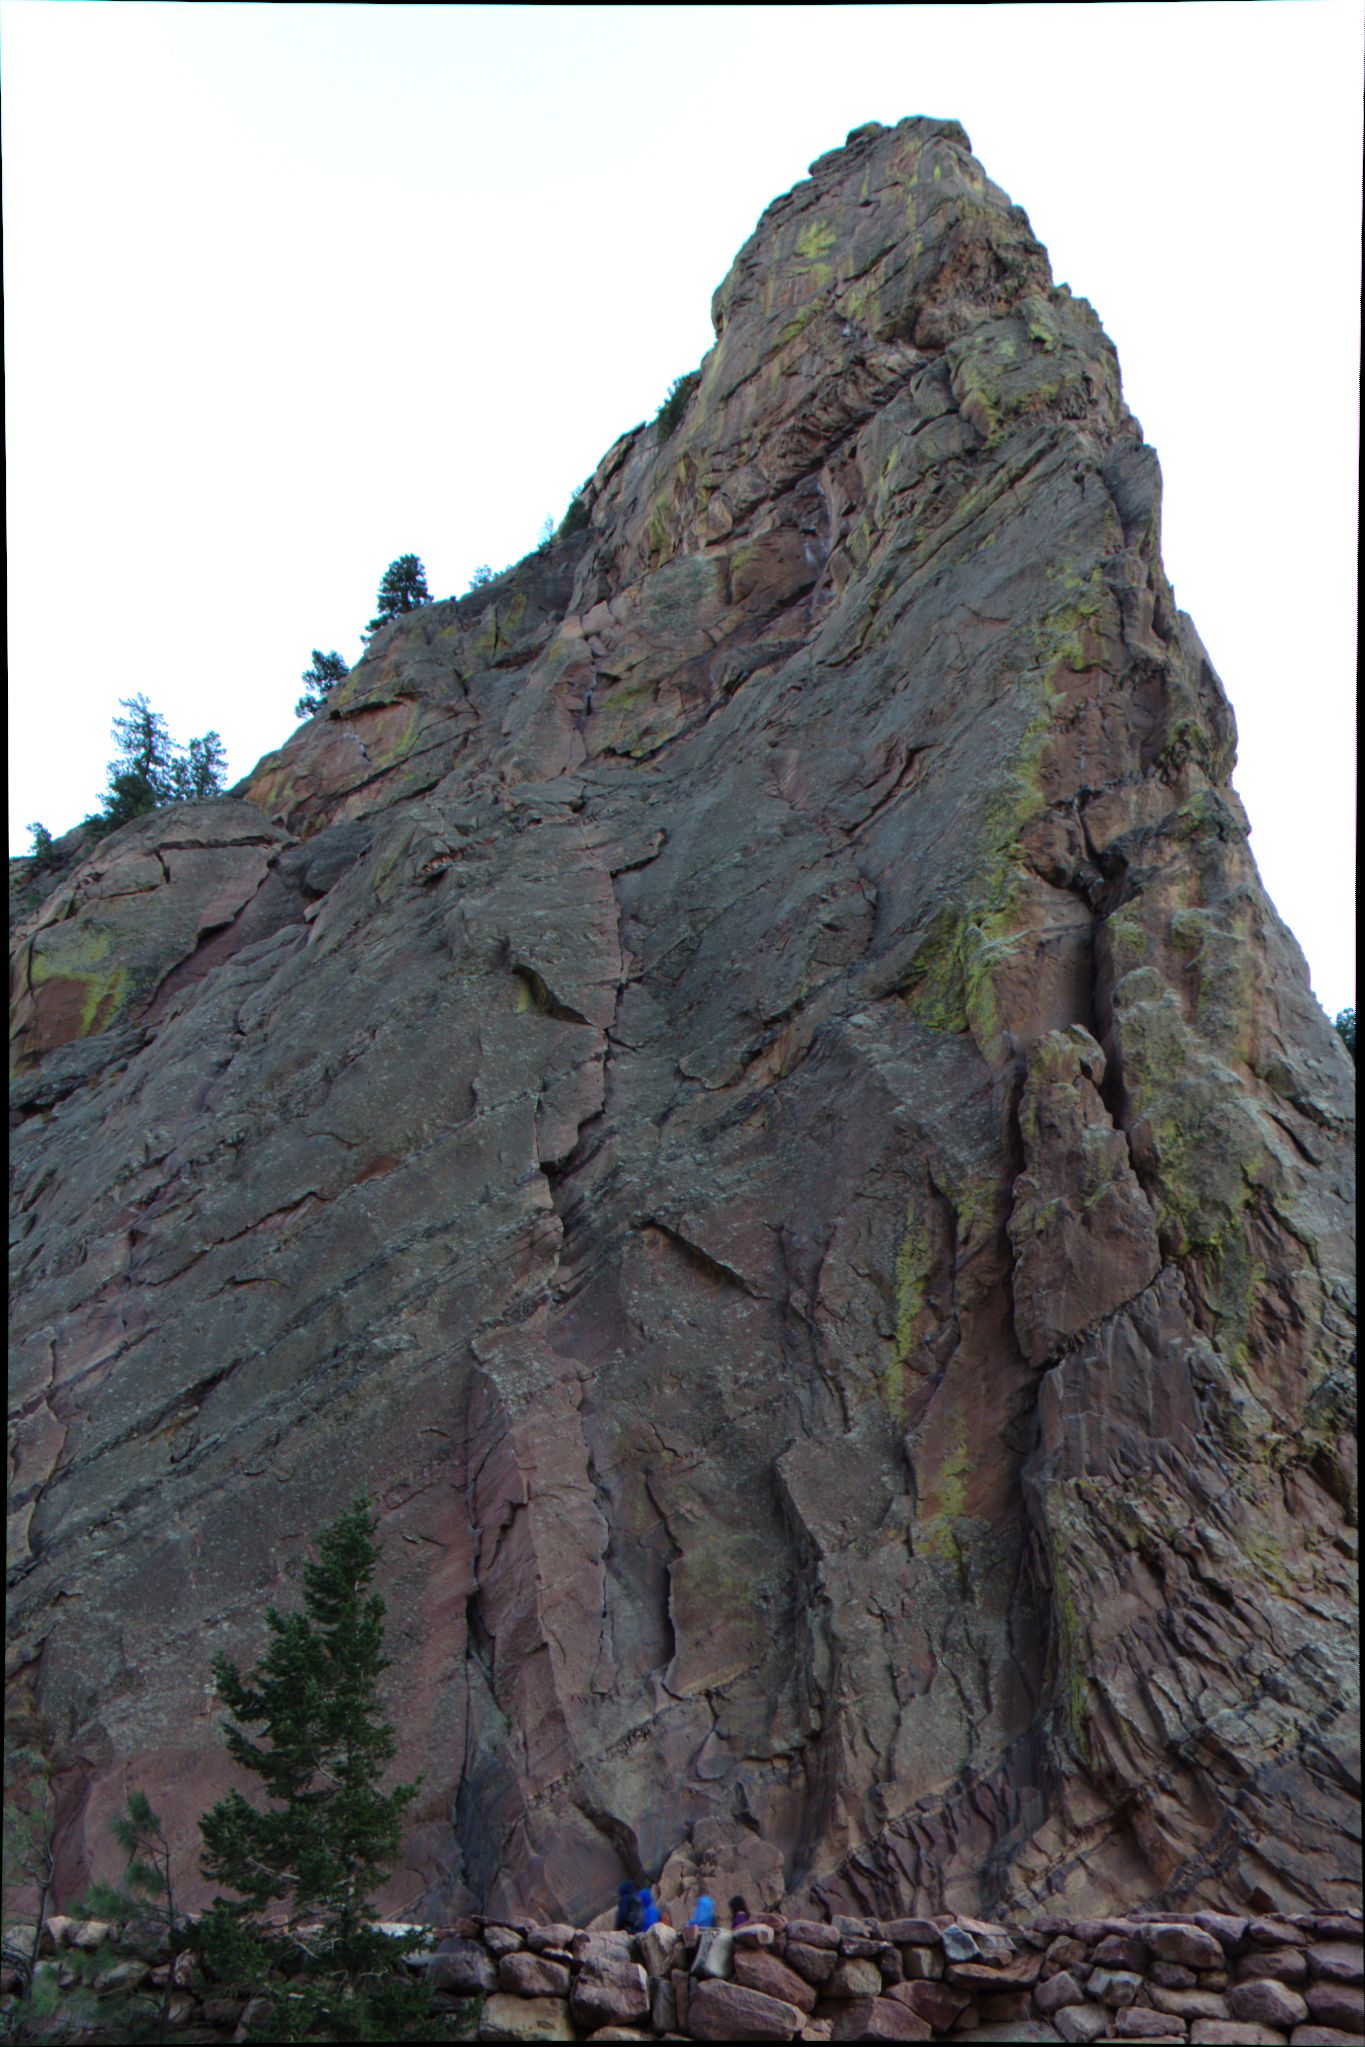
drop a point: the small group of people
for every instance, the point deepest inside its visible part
(637, 1911)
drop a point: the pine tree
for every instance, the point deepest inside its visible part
(1345, 1027)
(404, 588)
(29, 1866)
(150, 770)
(141, 773)
(143, 1905)
(200, 773)
(331, 1835)
(327, 670)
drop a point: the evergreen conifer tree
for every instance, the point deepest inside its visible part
(150, 769)
(129, 2007)
(327, 670)
(404, 588)
(330, 1835)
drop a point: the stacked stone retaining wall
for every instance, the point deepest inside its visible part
(1204, 1978)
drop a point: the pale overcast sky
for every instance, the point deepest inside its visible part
(291, 290)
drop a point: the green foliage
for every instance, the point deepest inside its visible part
(330, 1835)
(575, 519)
(1345, 1028)
(40, 843)
(30, 1825)
(482, 576)
(200, 772)
(547, 531)
(403, 588)
(675, 405)
(150, 769)
(144, 1904)
(327, 670)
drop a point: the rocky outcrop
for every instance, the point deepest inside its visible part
(742, 1079)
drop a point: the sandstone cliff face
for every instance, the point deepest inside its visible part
(743, 1080)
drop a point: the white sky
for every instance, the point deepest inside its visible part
(292, 290)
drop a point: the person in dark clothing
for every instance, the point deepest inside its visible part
(650, 1915)
(628, 1917)
(705, 1913)
(739, 1912)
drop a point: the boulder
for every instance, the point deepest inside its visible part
(462, 1966)
(758, 1970)
(607, 1992)
(729, 2011)
(507, 2017)
(757, 1029)
(532, 1975)
(1267, 2003)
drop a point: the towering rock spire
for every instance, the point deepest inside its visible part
(742, 1079)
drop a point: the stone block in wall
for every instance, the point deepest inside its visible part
(815, 1933)
(557, 1935)
(1123, 1951)
(502, 1940)
(257, 2014)
(757, 1970)
(1229, 1930)
(463, 1966)
(912, 1932)
(878, 2018)
(854, 1976)
(1313, 2035)
(1234, 2033)
(663, 2006)
(1286, 1964)
(88, 1933)
(757, 1933)
(682, 1984)
(594, 1947)
(1062, 1952)
(1081, 2023)
(1189, 2004)
(1267, 2003)
(507, 2017)
(121, 1976)
(1018, 1969)
(1276, 1933)
(1172, 1976)
(727, 2011)
(715, 1954)
(1114, 1987)
(1337, 2004)
(1136, 2022)
(1188, 1944)
(1339, 1960)
(657, 1949)
(528, 1975)
(1339, 1926)
(608, 1992)
(815, 1964)
(939, 2003)
(923, 1964)
(1058, 1990)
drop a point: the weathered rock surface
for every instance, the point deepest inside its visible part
(743, 1080)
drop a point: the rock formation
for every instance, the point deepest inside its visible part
(742, 1079)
